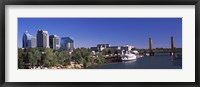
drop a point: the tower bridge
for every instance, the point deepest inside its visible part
(151, 52)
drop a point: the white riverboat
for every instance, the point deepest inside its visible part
(128, 56)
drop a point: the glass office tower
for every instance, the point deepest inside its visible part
(28, 41)
(67, 44)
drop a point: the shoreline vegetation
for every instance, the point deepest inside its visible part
(80, 58)
(42, 58)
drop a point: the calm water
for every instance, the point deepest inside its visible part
(159, 61)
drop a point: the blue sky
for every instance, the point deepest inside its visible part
(88, 32)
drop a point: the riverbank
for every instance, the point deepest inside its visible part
(74, 65)
(159, 61)
(146, 62)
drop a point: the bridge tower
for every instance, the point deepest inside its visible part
(151, 53)
(172, 53)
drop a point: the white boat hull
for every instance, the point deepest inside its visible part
(127, 58)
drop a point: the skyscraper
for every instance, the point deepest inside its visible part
(33, 42)
(28, 41)
(42, 39)
(54, 42)
(67, 43)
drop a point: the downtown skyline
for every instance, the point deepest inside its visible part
(88, 32)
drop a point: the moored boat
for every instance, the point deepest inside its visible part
(128, 56)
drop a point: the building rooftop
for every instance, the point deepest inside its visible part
(29, 36)
(67, 38)
(53, 35)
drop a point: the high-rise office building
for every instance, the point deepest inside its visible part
(42, 39)
(33, 42)
(54, 42)
(28, 41)
(67, 43)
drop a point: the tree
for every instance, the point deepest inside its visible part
(21, 59)
(68, 60)
(104, 52)
(64, 58)
(109, 52)
(100, 58)
(61, 57)
(83, 56)
(87, 55)
(77, 56)
(34, 56)
(49, 58)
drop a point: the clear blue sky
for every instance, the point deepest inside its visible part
(88, 32)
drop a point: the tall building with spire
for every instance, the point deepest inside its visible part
(28, 41)
(42, 39)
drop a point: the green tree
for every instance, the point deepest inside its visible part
(64, 58)
(100, 59)
(49, 58)
(34, 56)
(104, 52)
(21, 58)
(68, 60)
(83, 56)
(109, 52)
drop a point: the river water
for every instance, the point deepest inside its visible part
(159, 61)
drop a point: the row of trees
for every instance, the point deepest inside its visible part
(47, 57)
(86, 57)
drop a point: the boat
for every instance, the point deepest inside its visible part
(147, 54)
(135, 52)
(128, 56)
